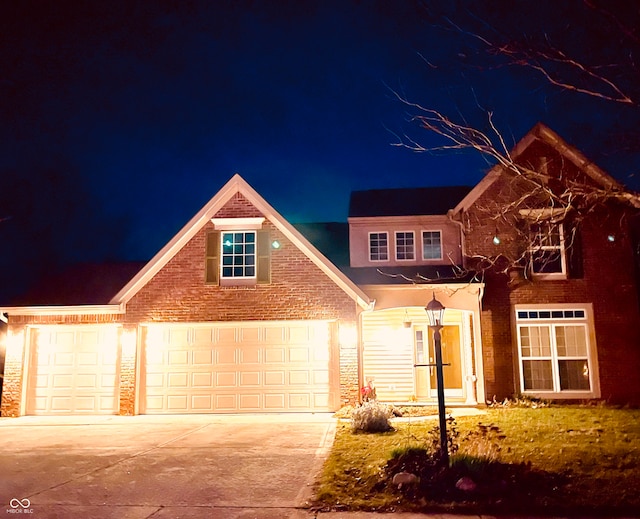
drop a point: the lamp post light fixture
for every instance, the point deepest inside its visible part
(435, 314)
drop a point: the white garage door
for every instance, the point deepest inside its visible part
(73, 370)
(239, 367)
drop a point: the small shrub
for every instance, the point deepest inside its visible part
(371, 417)
(433, 437)
(483, 442)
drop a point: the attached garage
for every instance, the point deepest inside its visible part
(73, 370)
(264, 366)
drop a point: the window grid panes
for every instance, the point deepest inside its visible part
(378, 246)
(239, 254)
(547, 244)
(405, 248)
(554, 356)
(431, 245)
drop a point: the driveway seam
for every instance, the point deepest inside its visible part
(121, 460)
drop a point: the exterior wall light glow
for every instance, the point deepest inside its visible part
(275, 244)
(611, 238)
(496, 240)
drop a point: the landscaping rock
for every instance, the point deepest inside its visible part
(466, 484)
(405, 478)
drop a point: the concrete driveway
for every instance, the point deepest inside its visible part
(202, 466)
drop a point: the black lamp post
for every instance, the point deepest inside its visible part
(435, 313)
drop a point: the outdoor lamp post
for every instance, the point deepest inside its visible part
(435, 314)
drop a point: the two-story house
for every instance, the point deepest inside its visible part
(535, 265)
(241, 311)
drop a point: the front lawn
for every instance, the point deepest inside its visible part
(568, 460)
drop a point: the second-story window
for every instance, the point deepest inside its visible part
(431, 245)
(405, 246)
(239, 254)
(547, 248)
(378, 246)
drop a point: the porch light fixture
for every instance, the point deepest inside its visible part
(275, 244)
(435, 314)
(407, 322)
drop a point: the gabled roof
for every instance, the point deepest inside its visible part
(237, 185)
(419, 201)
(541, 132)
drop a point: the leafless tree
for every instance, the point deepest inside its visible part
(533, 193)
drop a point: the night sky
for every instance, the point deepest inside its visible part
(120, 119)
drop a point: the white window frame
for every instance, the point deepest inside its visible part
(552, 317)
(233, 255)
(439, 231)
(370, 252)
(562, 273)
(413, 246)
(552, 217)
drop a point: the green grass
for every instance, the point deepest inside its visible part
(594, 450)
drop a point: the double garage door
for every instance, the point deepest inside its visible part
(248, 367)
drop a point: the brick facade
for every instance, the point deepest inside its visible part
(299, 290)
(607, 280)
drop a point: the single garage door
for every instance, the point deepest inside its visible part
(73, 370)
(239, 367)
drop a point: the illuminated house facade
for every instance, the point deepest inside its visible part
(243, 312)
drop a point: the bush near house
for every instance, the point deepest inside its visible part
(551, 460)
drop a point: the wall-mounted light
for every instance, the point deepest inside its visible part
(496, 240)
(611, 238)
(275, 244)
(406, 321)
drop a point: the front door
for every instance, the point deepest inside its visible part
(425, 376)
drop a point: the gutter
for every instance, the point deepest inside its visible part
(61, 310)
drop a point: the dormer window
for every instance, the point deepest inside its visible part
(405, 246)
(378, 246)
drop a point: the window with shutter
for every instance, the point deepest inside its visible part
(238, 257)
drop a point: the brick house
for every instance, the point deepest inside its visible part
(241, 312)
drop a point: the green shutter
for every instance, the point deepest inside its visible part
(212, 266)
(264, 259)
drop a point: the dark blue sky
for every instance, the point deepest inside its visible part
(119, 120)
